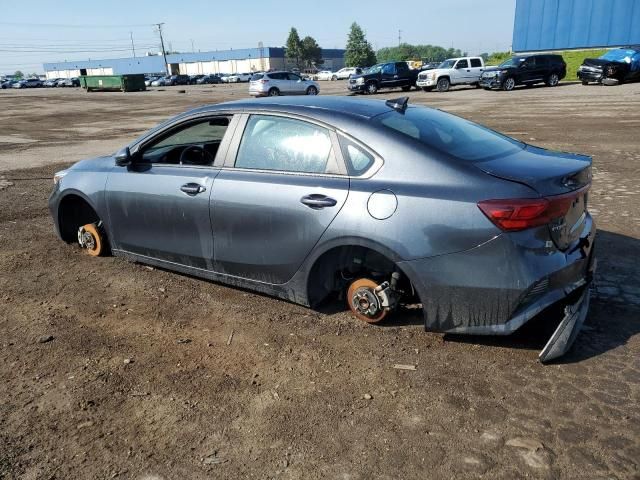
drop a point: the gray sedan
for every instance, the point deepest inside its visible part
(379, 202)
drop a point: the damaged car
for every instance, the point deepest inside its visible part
(380, 203)
(615, 67)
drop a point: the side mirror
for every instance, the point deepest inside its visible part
(123, 157)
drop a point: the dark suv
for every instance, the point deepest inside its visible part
(179, 80)
(384, 75)
(525, 70)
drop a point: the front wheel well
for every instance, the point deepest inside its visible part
(336, 268)
(74, 212)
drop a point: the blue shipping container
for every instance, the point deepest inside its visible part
(566, 24)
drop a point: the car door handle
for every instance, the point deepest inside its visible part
(318, 201)
(192, 188)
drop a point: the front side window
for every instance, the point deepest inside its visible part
(449, 134)
(389, 69)
(193, 144)
(287, 145)
(462, 64)
(294, 77)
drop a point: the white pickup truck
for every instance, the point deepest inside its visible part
(454, 71)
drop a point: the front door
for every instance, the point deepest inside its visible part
(388, 75)
(275, 198)
(159, 206)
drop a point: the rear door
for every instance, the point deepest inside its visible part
(476, 68)
(282, 185)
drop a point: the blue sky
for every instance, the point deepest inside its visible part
(36, 31)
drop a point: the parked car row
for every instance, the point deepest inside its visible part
(37, 83)
(616, 66)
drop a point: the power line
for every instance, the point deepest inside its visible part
(68, 25)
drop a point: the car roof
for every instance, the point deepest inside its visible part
(320, 107)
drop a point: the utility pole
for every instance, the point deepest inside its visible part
(399, 37)
(164, 53)
(193, 49)
(133, 48)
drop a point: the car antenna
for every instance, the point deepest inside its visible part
(398, 104)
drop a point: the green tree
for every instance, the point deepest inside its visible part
(18, 74)
(294, 47)
(406, 51)
(358, 52)
(311, 53)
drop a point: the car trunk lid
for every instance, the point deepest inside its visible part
(561, 179)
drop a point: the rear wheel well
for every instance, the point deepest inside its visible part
(74, 212)
(335, 269)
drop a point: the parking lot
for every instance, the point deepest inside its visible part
(116, 370)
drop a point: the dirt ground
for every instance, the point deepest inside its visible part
(115, 370)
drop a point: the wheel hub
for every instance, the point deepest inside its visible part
(86, 239)
(366, 302)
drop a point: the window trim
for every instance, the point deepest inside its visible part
(234, 148)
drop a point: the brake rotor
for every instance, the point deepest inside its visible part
(90, 239)
(363, 301)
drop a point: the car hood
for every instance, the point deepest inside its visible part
(105, 163)
(496, 69)
(597, 62)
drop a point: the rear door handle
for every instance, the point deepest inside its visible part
(318, 201)
(192, 188)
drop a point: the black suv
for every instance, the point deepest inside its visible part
(179, 80)
(384, 75)
(525, 70)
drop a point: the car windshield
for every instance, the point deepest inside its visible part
(374, 68)
(450, 134)
(619, 55)
(447, 64)
(512, 62)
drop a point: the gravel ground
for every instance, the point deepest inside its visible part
(116, 370)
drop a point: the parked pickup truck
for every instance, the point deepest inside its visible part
(384, 75)
(454, 71)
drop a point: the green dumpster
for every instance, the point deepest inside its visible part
(124, 83)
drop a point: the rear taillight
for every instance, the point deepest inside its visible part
(263, 81)
(512, 215)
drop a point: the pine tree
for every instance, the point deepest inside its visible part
(311, 52)
(294, 46)
(359, 52)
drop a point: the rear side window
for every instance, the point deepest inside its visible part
(357, 159)
(541, 61)
(475, 62)
(287, 145)
(449, 134)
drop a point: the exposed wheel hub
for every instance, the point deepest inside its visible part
(366, 302)
(86, 239)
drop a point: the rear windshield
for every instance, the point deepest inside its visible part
(449, 134)
(257, 76)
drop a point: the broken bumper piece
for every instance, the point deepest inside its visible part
(566, 333)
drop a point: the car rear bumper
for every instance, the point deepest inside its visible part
(496, 287)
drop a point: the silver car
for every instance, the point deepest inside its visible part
(273, 84)
(377, 202)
